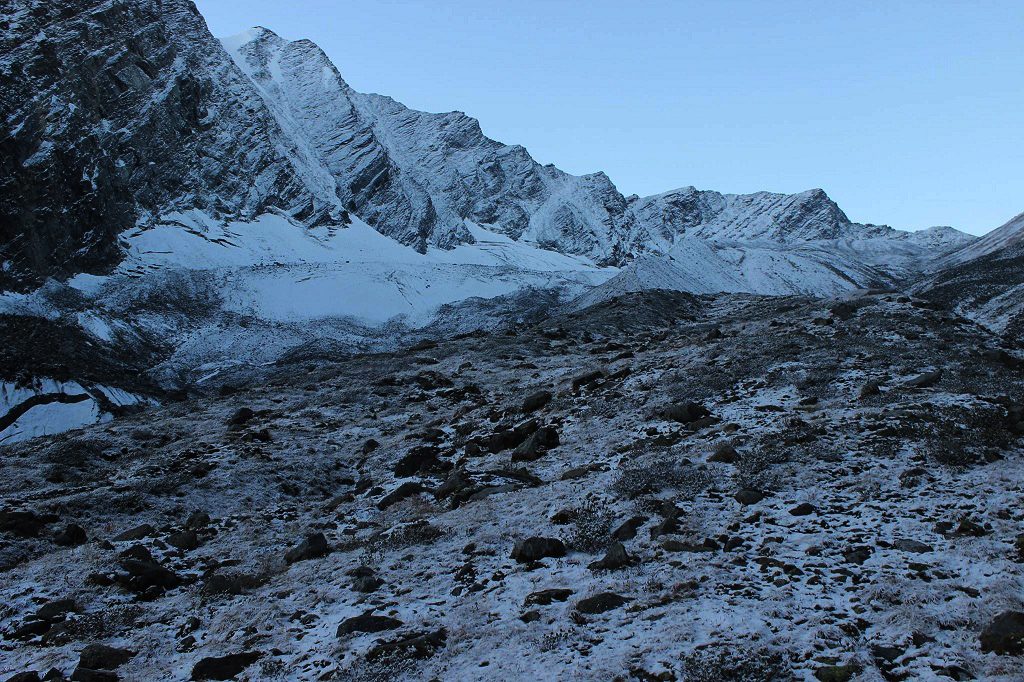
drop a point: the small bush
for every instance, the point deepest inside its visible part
(591, 528)
(654, 474)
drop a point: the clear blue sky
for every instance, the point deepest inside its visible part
(909, 113)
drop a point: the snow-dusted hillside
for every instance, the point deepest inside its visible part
(1005, 236)
(984, 280)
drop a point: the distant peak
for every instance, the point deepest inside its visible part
(254, 34)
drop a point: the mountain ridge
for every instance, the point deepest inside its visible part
(180, 105)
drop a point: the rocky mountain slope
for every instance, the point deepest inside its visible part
(297, 383)
(984, 280)
(114, 113)
(660, 487)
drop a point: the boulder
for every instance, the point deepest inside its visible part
(368, 623)
(748, 496)
(615, 558)
(417, 645)
(685, 413)
(536, 444)
(546, 597)
(535, 548)
(1004, 635)
(313, 546)
(536, 401)
(241, 416)
(600, 603)
(71, 536)
(103, 657)
(224, 667)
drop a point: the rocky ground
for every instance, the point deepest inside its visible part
(663, 487)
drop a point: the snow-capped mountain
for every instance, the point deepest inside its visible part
(417, 176)
(221, 203)
(134, 111)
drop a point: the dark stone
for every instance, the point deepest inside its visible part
(509, 438)
(72, 536)
(313, 547)
(546, 597)
(535, 401)
(368, 623)
(90, 675)
(103, 657)
(685, 413)
(370, 445)
(224, 667)
(420, 459)
(586, 379)
(145, 574)
(364, 580)
(536, 444)
(667, 526)
(57, 609)
(407, 489)
(857, 555)
(836, 673)
(869, 389)
(229, 583)
(30, 629)
(138, 552)
(418, 645)
(906, 545)
(615, 558)
(671, 545)
(724, 453)
(185, 540)
(535, 548)
(748, 496)
(30, 676)
(628, 529)
(889, 654)
(925, 380)
(136, 533)
(968, 528)
(600, 603)
(1004, 635)
(25, 524)
(803, 509)
(241, 416)
(197, 520)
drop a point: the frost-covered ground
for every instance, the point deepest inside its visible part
(802, 489)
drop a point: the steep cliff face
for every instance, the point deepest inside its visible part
(112, 112)
(418, 176)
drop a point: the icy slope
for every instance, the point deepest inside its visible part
(276, 269)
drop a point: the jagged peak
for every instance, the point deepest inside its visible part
(251, 35)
